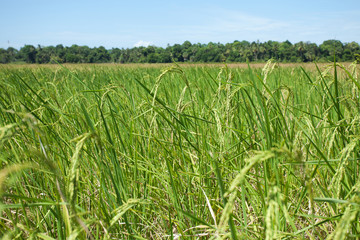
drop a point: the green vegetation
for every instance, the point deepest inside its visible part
(111, 152)
(243, 51)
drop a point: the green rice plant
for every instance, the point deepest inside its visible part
(195, 152)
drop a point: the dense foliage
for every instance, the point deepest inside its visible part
(122, 152)
(212, 52)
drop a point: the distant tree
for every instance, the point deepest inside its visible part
(262, 52)
(350, 51)
(275, 50)
(331, 48)
(211, 52)
(153, 58)
(13, 54)
(44, 54)
(4, 56)
(72, 58)
(255, 50)
(83, 52)
(300, 51)
(245, 52)
(28, 53)
(311, 51)
(60, 53)
(176, 53)
(165, 56)
(186, 45)
(186, 56)
(103, 54)
(115, 54)
(357, 57)
(99, 55)
(286, 51)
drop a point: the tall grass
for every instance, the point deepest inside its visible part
(105, 152)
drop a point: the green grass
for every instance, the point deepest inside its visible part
(200, 152)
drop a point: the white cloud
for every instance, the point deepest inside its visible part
(225, 25)
(232, 21)
(142, 43)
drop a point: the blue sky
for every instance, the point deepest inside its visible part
(124, 24)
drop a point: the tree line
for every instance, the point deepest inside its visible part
(238, 51)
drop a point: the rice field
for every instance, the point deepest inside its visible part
(180, 152)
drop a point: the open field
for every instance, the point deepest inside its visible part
(180, 151)
(308, 66)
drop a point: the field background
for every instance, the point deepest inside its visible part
(131, 151)
(79, 66)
